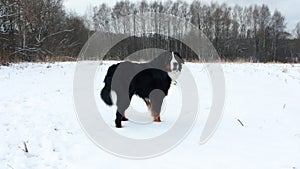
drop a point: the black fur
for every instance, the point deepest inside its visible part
(105, 92)
(142, 79)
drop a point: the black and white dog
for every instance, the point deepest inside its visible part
(150, 81)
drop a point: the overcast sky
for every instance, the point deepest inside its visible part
(289, 8)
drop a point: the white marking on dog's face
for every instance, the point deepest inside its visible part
(174, 65)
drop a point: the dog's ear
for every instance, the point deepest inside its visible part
(179, 56)
(161, 61)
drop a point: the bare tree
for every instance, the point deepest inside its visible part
(102, 17)
(297, 30)
(278, 26)
(264, 21)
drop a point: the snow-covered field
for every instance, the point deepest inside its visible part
(37, 110)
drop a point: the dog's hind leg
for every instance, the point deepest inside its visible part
(120, 117)
(118, 120)
(124, 118)
(122, 105)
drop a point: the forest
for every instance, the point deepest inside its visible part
(42, 30)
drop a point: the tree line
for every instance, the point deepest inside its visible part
(251, 33)
(39, 29)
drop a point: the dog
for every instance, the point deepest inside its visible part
(150, 81)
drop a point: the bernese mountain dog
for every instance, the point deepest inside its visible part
(150, 81)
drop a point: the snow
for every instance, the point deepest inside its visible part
(36, 107)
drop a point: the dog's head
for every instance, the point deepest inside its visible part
(176, 62)
(170, 61)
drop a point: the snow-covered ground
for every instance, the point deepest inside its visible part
(37, 110)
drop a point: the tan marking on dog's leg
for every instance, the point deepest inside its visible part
(157, 119)
(155, 115)
(148, 103)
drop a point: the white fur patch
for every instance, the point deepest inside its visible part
(174, 76)
(113, 95)
(173, 60)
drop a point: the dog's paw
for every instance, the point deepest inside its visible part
(124, 118)
(118, 123)
(157, 119)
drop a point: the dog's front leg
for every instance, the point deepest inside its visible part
(156, 100)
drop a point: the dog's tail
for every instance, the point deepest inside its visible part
(105, 92)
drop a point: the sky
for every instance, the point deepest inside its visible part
(289, 8)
